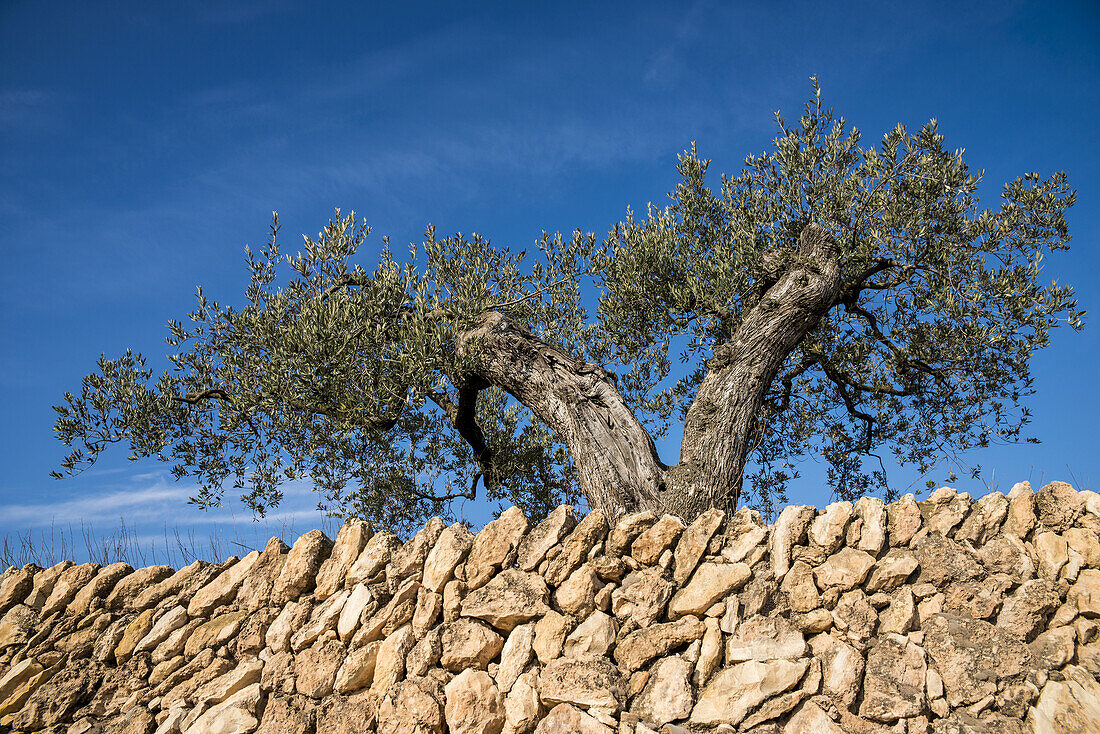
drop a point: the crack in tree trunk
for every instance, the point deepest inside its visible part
(721, 421)
(616, 460)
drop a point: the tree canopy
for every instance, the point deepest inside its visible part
(828, 300)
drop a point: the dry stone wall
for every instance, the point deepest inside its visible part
(948, 615)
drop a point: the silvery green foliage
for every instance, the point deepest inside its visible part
(927, 349)
(343, 376)
(350, 377)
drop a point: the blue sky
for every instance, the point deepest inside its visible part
(144, 144)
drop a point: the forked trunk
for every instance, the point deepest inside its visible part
(617, 463)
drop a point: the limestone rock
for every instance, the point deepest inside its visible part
(376, 554)
(667, 696)
(235, 715)
(943, 560)
(901, 615)
(126, 591)
(183, 583)
(582, 682)
(517, 652)
(971, 655)
(1058, 505)
(316, 668)
(360, 712)
(693, 544)
(891, 571)
(871, 513)
(222, 589)
(468, 643)
(903, 520)
(283, 715)
(389, 666)
(550, 633)
(589, 531)
(357, 670)
(408, 561)
(474, 705)
(977, 599)
(1053, 553)
(323, 618)
(985, 519)
(44, 582)
(350, 541)
(593, 637)
(629, 527)
(133, 634)
(358, 601)
(17, 626)
(221, 688)
(450, 549)
(710, 652)
(1021, 511)
(493, 544)
(398, 610)
(292, 617)
(747, 534)
(799, 587)
(68, 583)
(789, 530)
(893, 684)
(1028, 608)
(217, 631)
(522, 705)
(640, 647)
(427, 611)
(855, 617)
(425, 654)
(944, 509)
(16, 587)
(765, 638)
(1068, 706)
(256, 589)
(577, 594)
(54, 701)
(1007, 554)
(548, 533)
(299, 572)
(1054, 648)
(738, 690)
(1085, 593)
(810, 719)
(659, 537)
(511, 598)
(711, 583)
(566, 719)
(642, 596)
(842, 668)
(827, 529)
(844, 570)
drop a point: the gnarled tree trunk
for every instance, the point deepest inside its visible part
(616, 460)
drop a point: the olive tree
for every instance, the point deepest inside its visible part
(828, 301)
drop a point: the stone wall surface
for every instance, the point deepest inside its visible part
(949, 615)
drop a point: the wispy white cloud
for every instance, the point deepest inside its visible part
(151, 497)
(667, 64)
(31, 109)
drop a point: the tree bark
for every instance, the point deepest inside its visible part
(616, 460)
(720, 423)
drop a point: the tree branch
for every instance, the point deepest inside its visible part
(904, 361)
